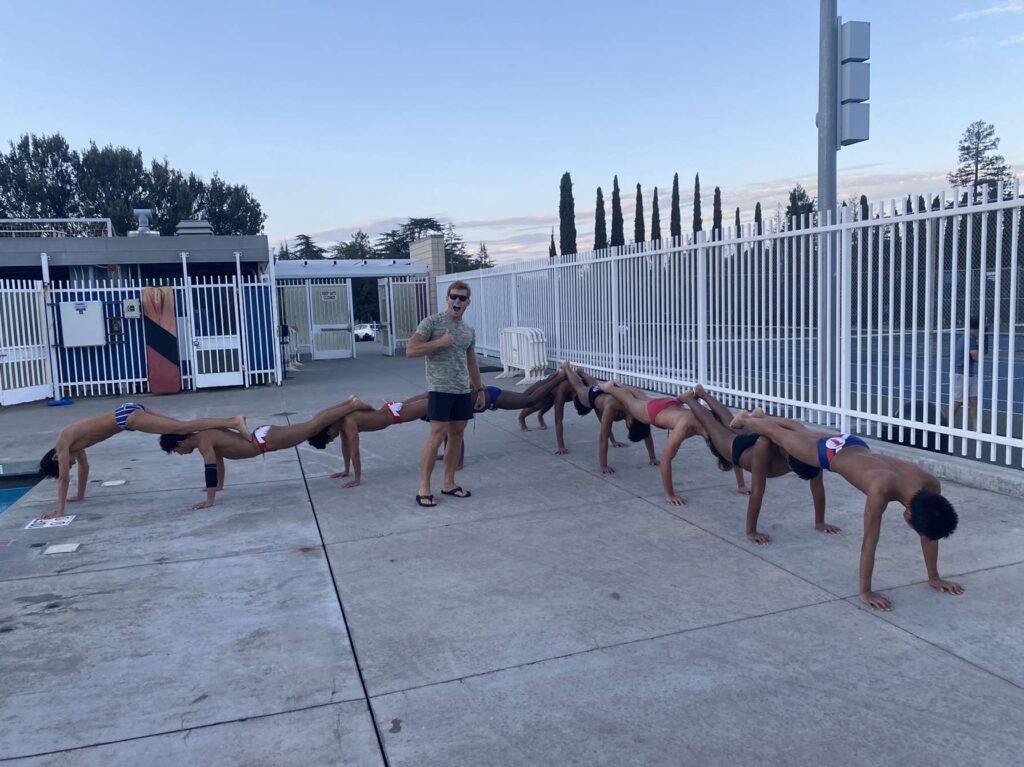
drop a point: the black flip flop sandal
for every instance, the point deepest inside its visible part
(458, 492)
(421, 498)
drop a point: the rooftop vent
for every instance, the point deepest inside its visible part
(145, 217)
(193, 227)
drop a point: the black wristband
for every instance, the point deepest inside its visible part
(211, 475)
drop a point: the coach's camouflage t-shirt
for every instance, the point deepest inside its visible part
(447, 370)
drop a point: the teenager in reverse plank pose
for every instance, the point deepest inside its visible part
(217, 445)
(758, 455)
(883, 480)
(129, 416)
(666, 413)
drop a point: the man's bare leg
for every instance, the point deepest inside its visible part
(801, 443)
(428, 456)
(452, 454)
(151, 422)
(635, 405)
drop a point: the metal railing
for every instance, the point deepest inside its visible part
(857, 322)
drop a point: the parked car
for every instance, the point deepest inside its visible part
(365, 332)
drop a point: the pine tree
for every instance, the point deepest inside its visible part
(758, 220)
(483, 258)
(618, 237)
(552, 250)
(655, 218)
(800, 205)
(600, 234)
(638, 218)
(306, 249)
(977, 164)
(566, 216)
(675, 227)
(716, 214)
(698, 222)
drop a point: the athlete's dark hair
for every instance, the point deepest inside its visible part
(170, 441)
(801, 469)
(48, 464)
(580, 407)
(723, 463)
(638, 430)
(320, 440)
(932, 515)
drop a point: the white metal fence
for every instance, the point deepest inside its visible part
(858, 322)
(226, 335)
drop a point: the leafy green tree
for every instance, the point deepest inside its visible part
(655, 218)
(41, 177)
(618, 236)
(112, 181)
(977, 163)
(308, 250)
(38, 179)
(566, 216)
(675, 225)
(600, 233)
(698, 221)
(638, 218)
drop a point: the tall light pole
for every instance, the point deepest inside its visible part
(843, 89)
(828, 84)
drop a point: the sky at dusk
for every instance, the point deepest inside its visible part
(341, 116)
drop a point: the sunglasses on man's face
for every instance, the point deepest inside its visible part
(458, 297)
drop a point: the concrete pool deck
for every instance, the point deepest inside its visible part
(557, 617)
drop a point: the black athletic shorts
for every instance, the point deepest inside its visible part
(442, 406)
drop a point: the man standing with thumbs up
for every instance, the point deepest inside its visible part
(453, 381)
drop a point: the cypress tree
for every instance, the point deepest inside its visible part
(618, 238)
(716, 214)
(655, 219)
(566, 216)
(757, 219)
(638, 219)
(698, 222)
(737, 222)
(865, 211)
(675, 225)
(552, 250)
(600, 234)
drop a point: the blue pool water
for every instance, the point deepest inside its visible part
(9, 495)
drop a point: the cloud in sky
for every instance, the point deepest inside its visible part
(1015, 40)
(1009, 7)
(521, 237)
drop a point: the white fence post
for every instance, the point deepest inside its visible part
(51, 329)
(242, 318)
(613, 265)
(702, 308)
(515, 297)
(845, 303)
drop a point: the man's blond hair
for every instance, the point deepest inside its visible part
(460, 285)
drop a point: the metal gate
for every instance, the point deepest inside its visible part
(330, 309)
(217, 343)
(403, 304)
(318, 313)
(24, 349)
